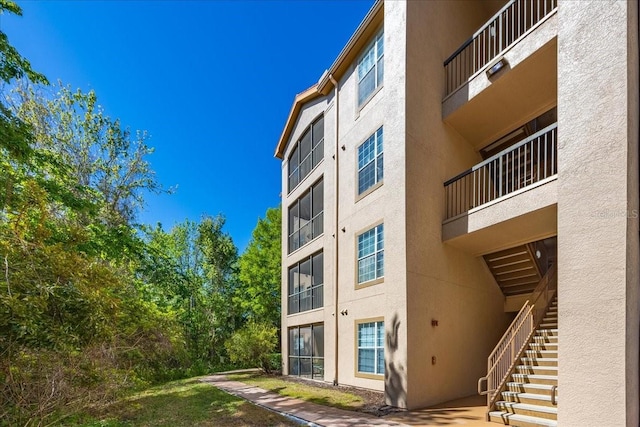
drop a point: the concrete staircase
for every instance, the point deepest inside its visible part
(527, 402)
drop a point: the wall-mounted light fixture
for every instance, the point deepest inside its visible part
(496, 66)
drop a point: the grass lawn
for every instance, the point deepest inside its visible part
(184, 403)
(321, 395)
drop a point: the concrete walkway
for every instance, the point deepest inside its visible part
(468, 412)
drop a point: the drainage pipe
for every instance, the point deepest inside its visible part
(335, 232)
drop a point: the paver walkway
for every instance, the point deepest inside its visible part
(468, 412)
(310, 412)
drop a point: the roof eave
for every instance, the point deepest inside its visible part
(300, 99)
(356, 43)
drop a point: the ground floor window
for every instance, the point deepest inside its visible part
(371, 347)
(306, 351)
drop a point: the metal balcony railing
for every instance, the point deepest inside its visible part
(523, 164)
(506, 27)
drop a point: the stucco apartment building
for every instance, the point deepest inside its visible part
(465, 176)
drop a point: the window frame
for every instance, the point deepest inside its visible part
(378, 162)
(315, 155)
(377, 68)
(379, 323)
(317, 218)
(316, 361)
(377, 279)
(315, 291)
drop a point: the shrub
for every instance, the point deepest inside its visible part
(254, 345)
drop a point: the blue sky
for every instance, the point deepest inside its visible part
(212, 82)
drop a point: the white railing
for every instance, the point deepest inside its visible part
(505, 356)
(511, 23)
(523, 164)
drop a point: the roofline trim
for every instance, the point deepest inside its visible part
(324, 85)
(361, 35)
(300, 99)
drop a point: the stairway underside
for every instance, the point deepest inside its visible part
(515, 269)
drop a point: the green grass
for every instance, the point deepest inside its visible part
(184, 403)
(309, 393)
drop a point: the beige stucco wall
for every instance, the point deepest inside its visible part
(521, 217)
(443, 283)
(598, 213)
(385, 204)
(386, 299)
(324, 169)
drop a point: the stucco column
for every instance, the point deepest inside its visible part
(598, 213)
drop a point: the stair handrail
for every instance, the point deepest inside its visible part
(543, 294)
(500, 363)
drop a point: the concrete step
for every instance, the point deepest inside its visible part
(546, 412)
(535, 378)
(540, 361)
(544, 389)
(520, 420)
(530, 398)
(537, 370)
(547, 338)
(551, 346)
(549, 325)
(534, 352)
(547, 332)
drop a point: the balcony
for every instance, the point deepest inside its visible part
(507, 199)
(503, 30)
(525, 163)
(481, 105)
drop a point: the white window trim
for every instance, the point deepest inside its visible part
(375, 374)
(377, 279)
(372, 45)
(375, 160)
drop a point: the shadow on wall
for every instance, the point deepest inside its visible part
(394, 389)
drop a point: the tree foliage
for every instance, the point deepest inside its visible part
(260, 270)
(92, 304)
(254, 344)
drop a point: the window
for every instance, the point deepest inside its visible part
(371, 348)
(370, 162)
(305, 217)
(307, 153)
(371, 69)
(306, 351)
(305, 284)
(371, 254)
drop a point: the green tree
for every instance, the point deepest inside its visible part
(253, 345)
(76, 325)
(260, 270)
(192, 269)
(220, 257)
(101, 155)
(15, 136)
